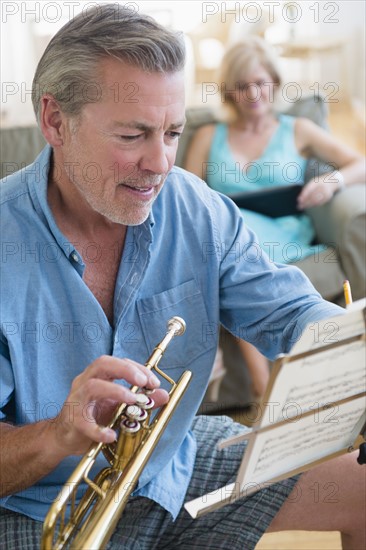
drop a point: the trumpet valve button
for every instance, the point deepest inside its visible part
(130, 426)
(133, 412)
(144, 401)
(149, 404)
(143, 415)
(141, 399)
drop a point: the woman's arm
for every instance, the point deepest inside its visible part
(198, 150)
(349, 166)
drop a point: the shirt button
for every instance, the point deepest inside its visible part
(75, 257)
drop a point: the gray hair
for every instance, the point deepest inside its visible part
(69, 65)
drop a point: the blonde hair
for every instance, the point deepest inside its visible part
(240, 59)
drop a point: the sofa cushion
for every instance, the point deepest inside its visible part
(325, 273)
(19, 147)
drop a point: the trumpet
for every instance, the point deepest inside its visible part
(90, 523)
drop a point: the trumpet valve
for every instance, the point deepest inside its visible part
(133, 412)
(130, 426)
(128, 441)
(144, 401)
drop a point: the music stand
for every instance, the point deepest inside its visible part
(314, 410)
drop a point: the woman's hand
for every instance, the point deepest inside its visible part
(349, 165)
(320, 190)
(93, 398)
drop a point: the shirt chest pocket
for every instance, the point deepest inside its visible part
(184, 301)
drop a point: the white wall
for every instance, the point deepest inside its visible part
(352, 18)
(27, 26)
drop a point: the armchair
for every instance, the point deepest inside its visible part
(340, 224)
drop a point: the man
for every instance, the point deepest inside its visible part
(112, 241)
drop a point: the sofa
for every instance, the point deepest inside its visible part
(341, 224)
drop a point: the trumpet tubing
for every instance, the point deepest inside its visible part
(92, 521)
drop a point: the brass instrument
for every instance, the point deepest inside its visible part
(92, 522)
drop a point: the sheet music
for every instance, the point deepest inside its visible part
(316, 380)
(357, 304)
(282, 449)
(289, 446)
(330, 331)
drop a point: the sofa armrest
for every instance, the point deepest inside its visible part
(341, 223)
(333, 218)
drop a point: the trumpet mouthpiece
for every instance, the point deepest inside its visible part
(178, 325)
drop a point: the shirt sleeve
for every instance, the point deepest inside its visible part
(265, 303)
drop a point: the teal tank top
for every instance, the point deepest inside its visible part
(287, 239)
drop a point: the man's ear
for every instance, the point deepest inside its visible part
(52, 121)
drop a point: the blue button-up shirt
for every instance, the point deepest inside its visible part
(193, 257)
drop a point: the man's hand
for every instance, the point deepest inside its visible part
(28, 453)
(93, 398)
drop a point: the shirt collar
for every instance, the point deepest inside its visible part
(37, 180)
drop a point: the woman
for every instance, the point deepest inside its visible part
(257, 148)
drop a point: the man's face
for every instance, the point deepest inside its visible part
(121, 148)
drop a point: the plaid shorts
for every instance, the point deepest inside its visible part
(146, 526)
